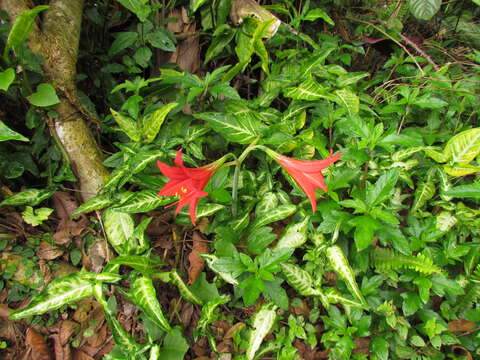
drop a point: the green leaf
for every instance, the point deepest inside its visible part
(263, 322)
(122, 41)
(299, 279)
(59, 292)
(227, 268)
(141, 263)
(128, 125)
(8, 134)
(430, 102)
(349, 100)
(6, 78)
(382, 188)
(37, 216)
(295, 235)
(333, 296)
(119, 228)
(308, 90)
(96, 203)
(30, 197)
(435, 155)
(384, 258)
(196, 4)
(470, 191)
(461, 169)
(161, 39)
(208, 314)
(174, 346)
(145, 297)
(143, 201)
(44, 97)
(379, 347)
(222, 36)
(424, 9)
(259, 238)
(463, 147)
(241, 130)
(21, 29)
(365, 227)
(185, 292)
(340, 265)
(138, 7)
(424, 192)
(318, 13)
(152, 122)
(279, 213)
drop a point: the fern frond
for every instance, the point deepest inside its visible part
(472, 294)
(388, 259)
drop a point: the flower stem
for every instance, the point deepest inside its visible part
(236, 177)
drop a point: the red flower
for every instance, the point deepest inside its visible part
(186, 183)
(307, 174)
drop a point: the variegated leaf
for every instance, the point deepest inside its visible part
(210, 260)
(185, 292)
(349, 100)
(96, 203)
(119, 228)
(299, 279)
(279, 213)
(263, 322)
(152, 122)
(144, 201)
(207, 315)
(295, 235)
(461, 169)
(463, 147)
(140, 263)
(307, 90)
(424, 192)
(334, 297)
(145, 297)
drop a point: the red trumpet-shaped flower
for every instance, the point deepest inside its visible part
(307, 174)
(186, 183)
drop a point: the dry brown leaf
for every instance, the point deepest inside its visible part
(64, 204)
(98, 338)
(80, 355)
(461, 325)
(37, 343)
(67, 329)
(234, 329)
(48, 251)
(5, 311)
(186, 314)
(61, 352)
(67, 229)
(97, 255)
(200, 246)
(458, 349)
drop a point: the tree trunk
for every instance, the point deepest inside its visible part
(58, 43)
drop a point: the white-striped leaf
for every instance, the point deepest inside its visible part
(299, 279)
(279, 213)
(127, 124)
(144, 201)
(210, 260)
(208, 310)
(240, 130)
(405, 153)
(145, 297)
(340, 264)
(30, 197)
(185, 292)
(461, 169)
(463, 147)
(119, 228)
(143, 264)
(262, 324)
(349, 100)
(334, 297)
(423, 193)
(96, 203)
(295, 235)
(152, 122)
(59, 292)
(470, 191)
(424, 9)
(435, 155)
(307, 90)
(140, 161)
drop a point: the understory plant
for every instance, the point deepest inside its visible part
(331, 208)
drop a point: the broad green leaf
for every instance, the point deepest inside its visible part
(196, 4)
(365, 227)
(138, 7)
(8, 134)
(463, 147)
(174, 346)
(141, 263)
(405, 153)
(59, 292)
(185, 292)
(119, 228)
(215, 265)
(379, 346)
(461, 169)
(470, 191)
(262, 323)
(96, 203)
(430, 102)
(128, 125)
(140, 161)
(6, 78)
(259, 238)
(222, 36)
(423, 193)
(21, 29)
(37, 216)
(424, 9)
(208, 314)
(333, 296)
(295, 235)
(143, 201)
(152, 122)
(279, 213)
(382, 188)
(122, 41)
(349, 100)
(204, 210)
(242, 131)
(145, 297)
(140, 242)
(340, 264)
(161, 39)
(30, 197)
(45, 96)
(299, 279)
(318, 13)
(435, 155)
(308, 90)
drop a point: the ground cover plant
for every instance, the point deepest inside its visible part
(235, 179)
